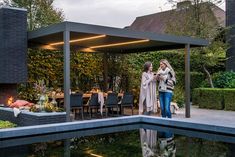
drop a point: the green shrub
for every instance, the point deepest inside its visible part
(229, 99)
(221, 80)
(211, 98)
(196, 96)
(214, 98)
(6, 124)
(196, 79)
(224, 80)
(179, 96)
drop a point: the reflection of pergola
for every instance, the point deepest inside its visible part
(68, 36)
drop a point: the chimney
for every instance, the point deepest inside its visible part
(13, 50)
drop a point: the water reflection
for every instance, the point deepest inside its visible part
(67, 145)
(134, 140)
(167, 145)
(157, 143)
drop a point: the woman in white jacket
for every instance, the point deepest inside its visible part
(147, 90)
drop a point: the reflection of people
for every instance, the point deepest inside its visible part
(148, 140)
(166, 81)
(156, 143)
(167, 147)
(147, 90)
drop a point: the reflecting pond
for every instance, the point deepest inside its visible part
(122, 141)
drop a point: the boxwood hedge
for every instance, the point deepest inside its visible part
(214, 98)
(208, 98)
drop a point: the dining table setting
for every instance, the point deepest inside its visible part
(102, 96)
(85, 95)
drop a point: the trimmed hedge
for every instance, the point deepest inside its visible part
(229, 99)
(214, 98)
(208, 98)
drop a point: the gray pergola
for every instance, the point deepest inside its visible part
(69, 36)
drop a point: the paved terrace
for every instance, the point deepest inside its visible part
(203, 116)
(207, 116)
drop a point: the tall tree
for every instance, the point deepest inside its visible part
(196, 18)
(41, 13)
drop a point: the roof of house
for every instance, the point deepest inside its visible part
(157, 22)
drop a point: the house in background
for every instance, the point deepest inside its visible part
(184, 21)
(175, 21)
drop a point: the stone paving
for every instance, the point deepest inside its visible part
(204, 116)
(208, 116)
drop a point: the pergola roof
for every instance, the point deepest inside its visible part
(92, 38)
(86, 37)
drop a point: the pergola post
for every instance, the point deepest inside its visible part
(187, 80)
(105, 64)
(66, 38)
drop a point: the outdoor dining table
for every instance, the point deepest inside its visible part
(60, 97)
(86, 95)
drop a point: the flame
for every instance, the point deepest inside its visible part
(10, 100)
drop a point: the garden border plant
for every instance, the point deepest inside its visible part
(6, 124)
(214, 98)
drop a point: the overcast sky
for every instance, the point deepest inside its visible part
(114, 13)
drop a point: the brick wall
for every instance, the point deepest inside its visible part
(230, 21)
(13, 45)
(13, 51)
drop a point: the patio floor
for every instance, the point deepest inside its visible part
(208, 116)
(198, 115)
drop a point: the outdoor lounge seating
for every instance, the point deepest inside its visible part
(111, 102)
(76, 103)
(127, 101)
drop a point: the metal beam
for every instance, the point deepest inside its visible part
(105, 64)
(66, 38)
(45, 31)
(126, 33)
(115, 33)
(187, 80)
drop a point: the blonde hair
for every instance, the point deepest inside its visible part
(168, 65)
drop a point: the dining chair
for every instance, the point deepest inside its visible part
(127, 101)
(76, 103)
(93, 103)
(111, 102)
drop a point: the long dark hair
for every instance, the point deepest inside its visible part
(146, 66)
